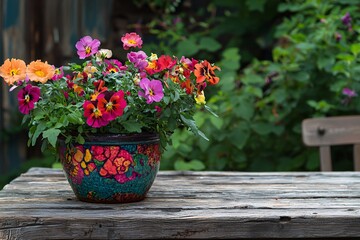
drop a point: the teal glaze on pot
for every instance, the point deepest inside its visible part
(112, 168)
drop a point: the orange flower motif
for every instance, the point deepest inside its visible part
(39, 71)
(204, 71)
(13, 70)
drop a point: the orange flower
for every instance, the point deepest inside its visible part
(204, 71)
(13, 70)
(39, 71)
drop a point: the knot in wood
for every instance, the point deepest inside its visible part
(321, 131)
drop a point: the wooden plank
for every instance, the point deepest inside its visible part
(331, 131)
(197, 205)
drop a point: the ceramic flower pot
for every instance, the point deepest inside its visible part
(112, 168)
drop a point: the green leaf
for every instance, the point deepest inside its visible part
(256, 5)
(187, 47)
(252, 79)
(239, 135)
(132, 126)
(51, 135)
(217, 122)
(305, 46)
(301, 76)
(199, 118)
(75, 118)
(227, 82)
(192, 125)
(325, 62)
(38, 131)
(279, 95)
(210, 111)
(166, 100)
(345, 57)
(244, 108)
(355, 48)
(209, 44)
(256, 91)
(196, 165)
(80, 139)
(232, 54)
(262, 128)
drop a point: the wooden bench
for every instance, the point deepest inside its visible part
(328, 131)
(198, 205)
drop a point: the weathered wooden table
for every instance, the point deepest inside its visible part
(40, 205)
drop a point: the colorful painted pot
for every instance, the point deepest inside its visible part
(112, 168)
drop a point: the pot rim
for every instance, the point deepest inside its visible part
(119, 139)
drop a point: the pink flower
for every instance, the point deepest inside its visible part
(59, 73)
(349, 92)
(27, 98)
(131, 40)
(153, 90)
(138, 59)
(87, 46)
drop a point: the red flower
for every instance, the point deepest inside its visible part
(166, 62)
(27, 98)
(153, 67)
(188, 86)
(100, 88)
(95, 117)
(112, 103)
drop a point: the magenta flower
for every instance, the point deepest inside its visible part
(59, 73)
(114, 65)
(153, 90)
(131, 40)
(138, 59)
(94, 117)
(346, 20)
(27, 97)
(87, 46)
(349, 92)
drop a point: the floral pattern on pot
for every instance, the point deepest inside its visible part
(111, 173)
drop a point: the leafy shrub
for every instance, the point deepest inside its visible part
(312, 71)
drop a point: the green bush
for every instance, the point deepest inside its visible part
(262, 101)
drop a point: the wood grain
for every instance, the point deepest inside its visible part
(198, 205)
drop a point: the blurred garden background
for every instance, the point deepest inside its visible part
(282, 62)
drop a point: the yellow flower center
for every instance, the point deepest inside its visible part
(97, 113)
(151, 65)
(112, 70)
(151, 92)
(14, 72)
(132, 41)
(87, 50)
(109, 106)
(27, 98)
(39, 73)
